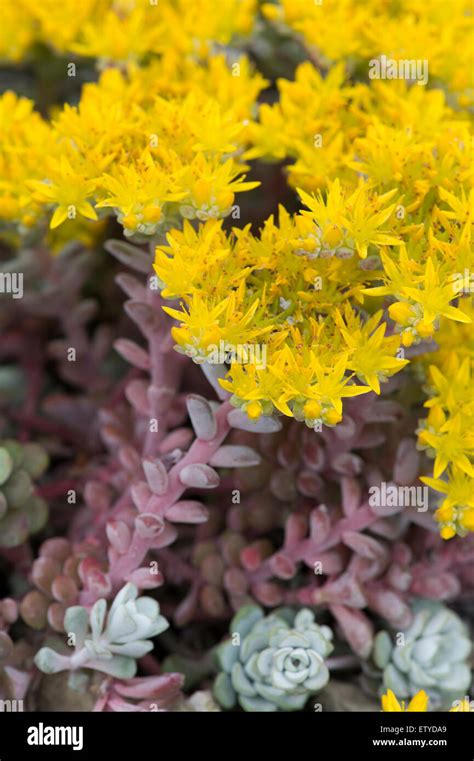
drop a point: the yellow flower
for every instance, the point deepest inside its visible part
(402, 312)
(152, 144)
(138, 194)
(254, 410)
(352, 221)
(28, 144)
(211, 188)
(373, 355)
(264, 292)
(385, 171)
(181, 270)
(203, 325)
(418, 703)
(122, 30)
(68, 192)
(462, 211)
(434, 298)
(361, 32)
(450, 444)
(418, 309)
(455, 513)
(452, 390)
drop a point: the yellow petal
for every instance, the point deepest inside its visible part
(60, 214)
(419, 702)
(87, 210)
(390, 703)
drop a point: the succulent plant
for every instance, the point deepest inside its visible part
(431, 654)
(302, 502)
(59, 573)
(108, 642)
(272, 662)
(22, 512)
(153, 693)
(337, 550)
(15, 656)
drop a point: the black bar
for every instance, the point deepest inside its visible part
(114, 736)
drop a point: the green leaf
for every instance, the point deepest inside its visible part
(49, 661)
(244, 621)
(13, 529)
(223, 691)
(394, 681)
(254, 642)
(76, 621)
(382, 649)
(257, 705)
(227, 654)
(240, 683)
(18, 489)
(36, 511)
(15, 450)
(6, 465)
(292, 702)
(97, 618)
(35, 460)
(119, 666)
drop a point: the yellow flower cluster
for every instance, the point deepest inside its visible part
(25, 140)
(402, 140)
(369, 225)
(289, 294)
(402, 29)
(385, 171)
(447, 433)
(122, 31)
(419, 704)
(321, 305)
(153, 145)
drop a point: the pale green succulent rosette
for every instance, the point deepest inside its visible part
(274, 662)
(111, 641)
(433, 655)
(22, 512)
